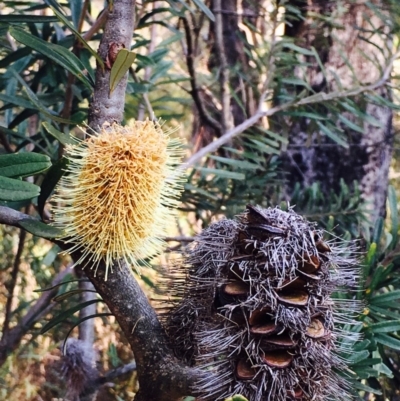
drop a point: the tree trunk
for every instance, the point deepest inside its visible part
(353, 51)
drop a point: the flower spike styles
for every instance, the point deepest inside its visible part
(119, 193)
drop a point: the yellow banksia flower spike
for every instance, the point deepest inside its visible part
(119, 193)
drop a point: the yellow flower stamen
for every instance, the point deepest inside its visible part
(119, 193)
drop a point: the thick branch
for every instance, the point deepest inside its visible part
(118, 31)
(161, 376)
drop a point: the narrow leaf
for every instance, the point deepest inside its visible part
(12, 19)
(35, 100)
(388, 326)
(65, 139)
(50, 181)
(222, 173)
(394, 216)
(16, 190)
(65, 21)
(40, 229)
(385, 299)
(205, 9)
(23, 164)
(66, 314)
(79, 322)
(60, 284)
(122, 63)
(57, 53)
(332, 135)
(389, 341)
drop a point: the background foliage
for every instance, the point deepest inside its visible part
(46, 80)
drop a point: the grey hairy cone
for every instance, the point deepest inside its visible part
(78, 368)
(253, 308)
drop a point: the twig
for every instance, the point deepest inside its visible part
(11, 339)
(113, 374)
(12, 217)
(5, 143)
(261, 112)
(179, 239)
(145, 97)
(226, 115)
(101, 19)
(13, 281)
(147, 70)
(205, 117)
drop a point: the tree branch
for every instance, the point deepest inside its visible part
(13, 217)
(13, 281)
(106, 107)
(12, 338)
(227, 118)
(161, 376)
(261, 112)
(205, 117)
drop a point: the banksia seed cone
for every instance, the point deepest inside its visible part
(119, 193)
(255, 310)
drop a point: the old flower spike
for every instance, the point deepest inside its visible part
(118, 194)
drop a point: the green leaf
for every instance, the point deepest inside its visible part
(35, 100)
(378, 229)
(23, 164)
(350, 124)
(356, 357)
(222, 173)
(332, 135)
(363, 387)
(50, 181)
(64, 19)
(17, 190)
(79, 322)
(60, 284)
(205, 9)
(385, 299)
(389, 341)
(12, 19)
(71, 293)
(394, 216)
(242, 164)
(122, 63)
(17, 101)
(76, 10)
(298, 49)
(57, 53)
(388, 326)
(66, 314)
(376, 312)
(40, 229)
(65, 139)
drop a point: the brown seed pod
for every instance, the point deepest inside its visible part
(255, 311)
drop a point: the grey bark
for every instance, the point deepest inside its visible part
(106, 107)
(311, 156)
(161, 376)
